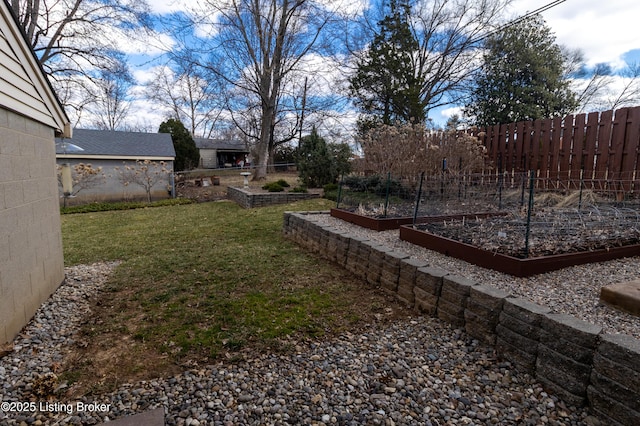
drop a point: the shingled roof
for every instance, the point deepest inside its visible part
(118, 145)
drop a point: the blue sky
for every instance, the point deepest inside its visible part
(606, 31)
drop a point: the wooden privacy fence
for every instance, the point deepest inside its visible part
(595, 149)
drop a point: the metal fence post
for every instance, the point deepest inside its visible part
(386, 197)
(526, 240)
(418, 196)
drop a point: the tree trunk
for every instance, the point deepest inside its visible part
(262, 162)
(260, 172)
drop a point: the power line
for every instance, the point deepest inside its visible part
(520, 19)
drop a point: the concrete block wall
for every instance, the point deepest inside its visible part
(31, 258)
(249, 200)
(614, 386)
(572, 358)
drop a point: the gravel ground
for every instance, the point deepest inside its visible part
(417, 371)
(574, 290)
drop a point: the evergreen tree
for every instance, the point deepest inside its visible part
(320, 163)
(385, 86)
(521, 77)
(187, 154)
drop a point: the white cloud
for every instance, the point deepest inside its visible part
(447, 113)
(326, 74)
(604, 30)
(345, 7)
(162, 7)
(145, 113)
(146, 75)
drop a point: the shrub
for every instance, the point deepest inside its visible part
(101, 207)
(283, 183)
(374, 184)
(330, 187)
(300, 189)
(407, 150)
(273, 187)
(320, 163)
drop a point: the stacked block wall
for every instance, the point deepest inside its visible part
(572, 358)
(31, 260)
(249, 200)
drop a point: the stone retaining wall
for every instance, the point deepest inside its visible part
(249, 200)
(572, 358)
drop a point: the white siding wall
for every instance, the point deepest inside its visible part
(17, 85)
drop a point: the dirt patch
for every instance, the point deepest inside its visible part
(213, 187)
(105, 360)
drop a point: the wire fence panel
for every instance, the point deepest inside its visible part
(543, 217)
(534, 215)
(378, 195)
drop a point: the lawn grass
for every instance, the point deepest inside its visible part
(202, 281)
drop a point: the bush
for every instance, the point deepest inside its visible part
(283, 183)
(102, 207)
(273, 187)
(374, 184)
(362, 183)
(300, 189)
(330, 187)
(320, 163)
(409, 149)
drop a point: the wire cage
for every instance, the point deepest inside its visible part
(541, 216)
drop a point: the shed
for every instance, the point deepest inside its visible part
(219, 153)
(127, 162)
(31, 258)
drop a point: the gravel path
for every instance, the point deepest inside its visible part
(417, 371)
(574, 291)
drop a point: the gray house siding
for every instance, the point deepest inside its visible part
(109, 185)
(208, 159)
(218, 153)
(31, 256)
(114, 151)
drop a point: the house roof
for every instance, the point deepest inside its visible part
(24, 87)
(108, 144)
(221, 144)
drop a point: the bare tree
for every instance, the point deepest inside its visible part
(448, 33)
(601, 87)
(74, 38)
(193, 95)
(257, 45)
(112, 98)
(145, 173)
(595, 86)
(628, 92)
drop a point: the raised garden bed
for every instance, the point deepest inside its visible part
(389, 223)
(499, 243)
(251, 198)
